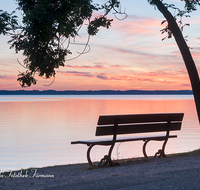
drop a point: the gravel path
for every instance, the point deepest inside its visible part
(181, 172)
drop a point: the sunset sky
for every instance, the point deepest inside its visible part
(130, 55)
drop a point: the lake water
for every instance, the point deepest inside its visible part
(36, 131)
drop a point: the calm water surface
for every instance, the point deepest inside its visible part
(36, 131)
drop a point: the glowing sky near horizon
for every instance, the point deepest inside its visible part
(130, 55)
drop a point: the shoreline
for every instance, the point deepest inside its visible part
(96, 92)
(78, 176)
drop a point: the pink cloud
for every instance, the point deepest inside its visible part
(8, 86)
(138, 25)
(195, 52)
(186, 85)
(97, 66)
(118, 67)
(153, 77)
(76, 73)
(7, 77)
(129, 51)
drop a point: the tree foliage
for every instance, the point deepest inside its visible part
(8, 22)
(189, 6)
(46, 25)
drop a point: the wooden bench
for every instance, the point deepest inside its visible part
(129, 124)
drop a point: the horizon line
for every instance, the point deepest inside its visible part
(95, 92)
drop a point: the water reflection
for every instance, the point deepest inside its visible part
(37, 131)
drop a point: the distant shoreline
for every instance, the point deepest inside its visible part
(98, 92)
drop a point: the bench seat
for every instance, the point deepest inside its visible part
(125, 139)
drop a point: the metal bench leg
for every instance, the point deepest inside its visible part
(161, 152)
(109, 155)
(144, 148)
(105, 160)
(88, 155)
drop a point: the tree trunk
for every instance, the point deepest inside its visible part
(185, 52)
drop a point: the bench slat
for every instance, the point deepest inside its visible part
(139, 118)
(126, 139)
(137, 128)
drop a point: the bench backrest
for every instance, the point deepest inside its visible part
(138, 123)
